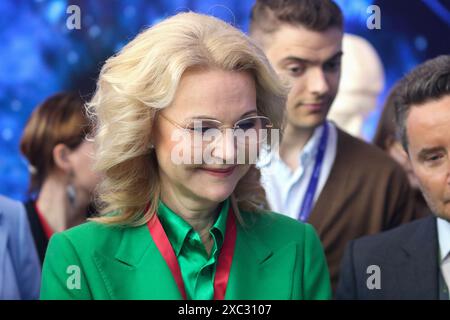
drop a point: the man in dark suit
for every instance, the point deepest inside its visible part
(412, 261)
(350, 189)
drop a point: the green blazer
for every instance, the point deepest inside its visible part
(275, 257)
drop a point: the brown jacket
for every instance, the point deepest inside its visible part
(366, 192)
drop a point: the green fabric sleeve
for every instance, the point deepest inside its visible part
(62, 274)
(316, 277)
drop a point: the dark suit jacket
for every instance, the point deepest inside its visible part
(40, 239)
(408, 261)
(366, 192)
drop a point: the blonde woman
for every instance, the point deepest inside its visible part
(189, 229)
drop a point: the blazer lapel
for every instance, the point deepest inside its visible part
(137, 270)
(258, 272)
(421, 265)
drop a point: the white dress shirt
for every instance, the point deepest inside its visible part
(443, 228)
(286, 189)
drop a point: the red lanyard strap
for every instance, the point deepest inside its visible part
(223, 264)
(48, 231)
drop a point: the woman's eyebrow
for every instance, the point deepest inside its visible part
(249, 113)
(212, 118)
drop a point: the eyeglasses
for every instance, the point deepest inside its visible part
(253, 129)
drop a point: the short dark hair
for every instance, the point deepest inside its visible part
(386, 133)
(316, 15)
(428, 81)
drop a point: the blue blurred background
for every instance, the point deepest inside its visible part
(39, 55)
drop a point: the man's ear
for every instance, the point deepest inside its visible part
(61, 157)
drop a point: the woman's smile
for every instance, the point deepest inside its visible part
(221, 172)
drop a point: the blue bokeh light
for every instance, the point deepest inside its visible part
(39, 55)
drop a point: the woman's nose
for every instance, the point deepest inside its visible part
(225, 147)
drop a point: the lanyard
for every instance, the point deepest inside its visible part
(307, 203)
(223, 264)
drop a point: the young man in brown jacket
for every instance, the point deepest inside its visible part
(341, 185)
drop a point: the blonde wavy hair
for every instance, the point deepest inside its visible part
(142, 79)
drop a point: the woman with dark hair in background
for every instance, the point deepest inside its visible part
(59, 158)
(386, 139)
